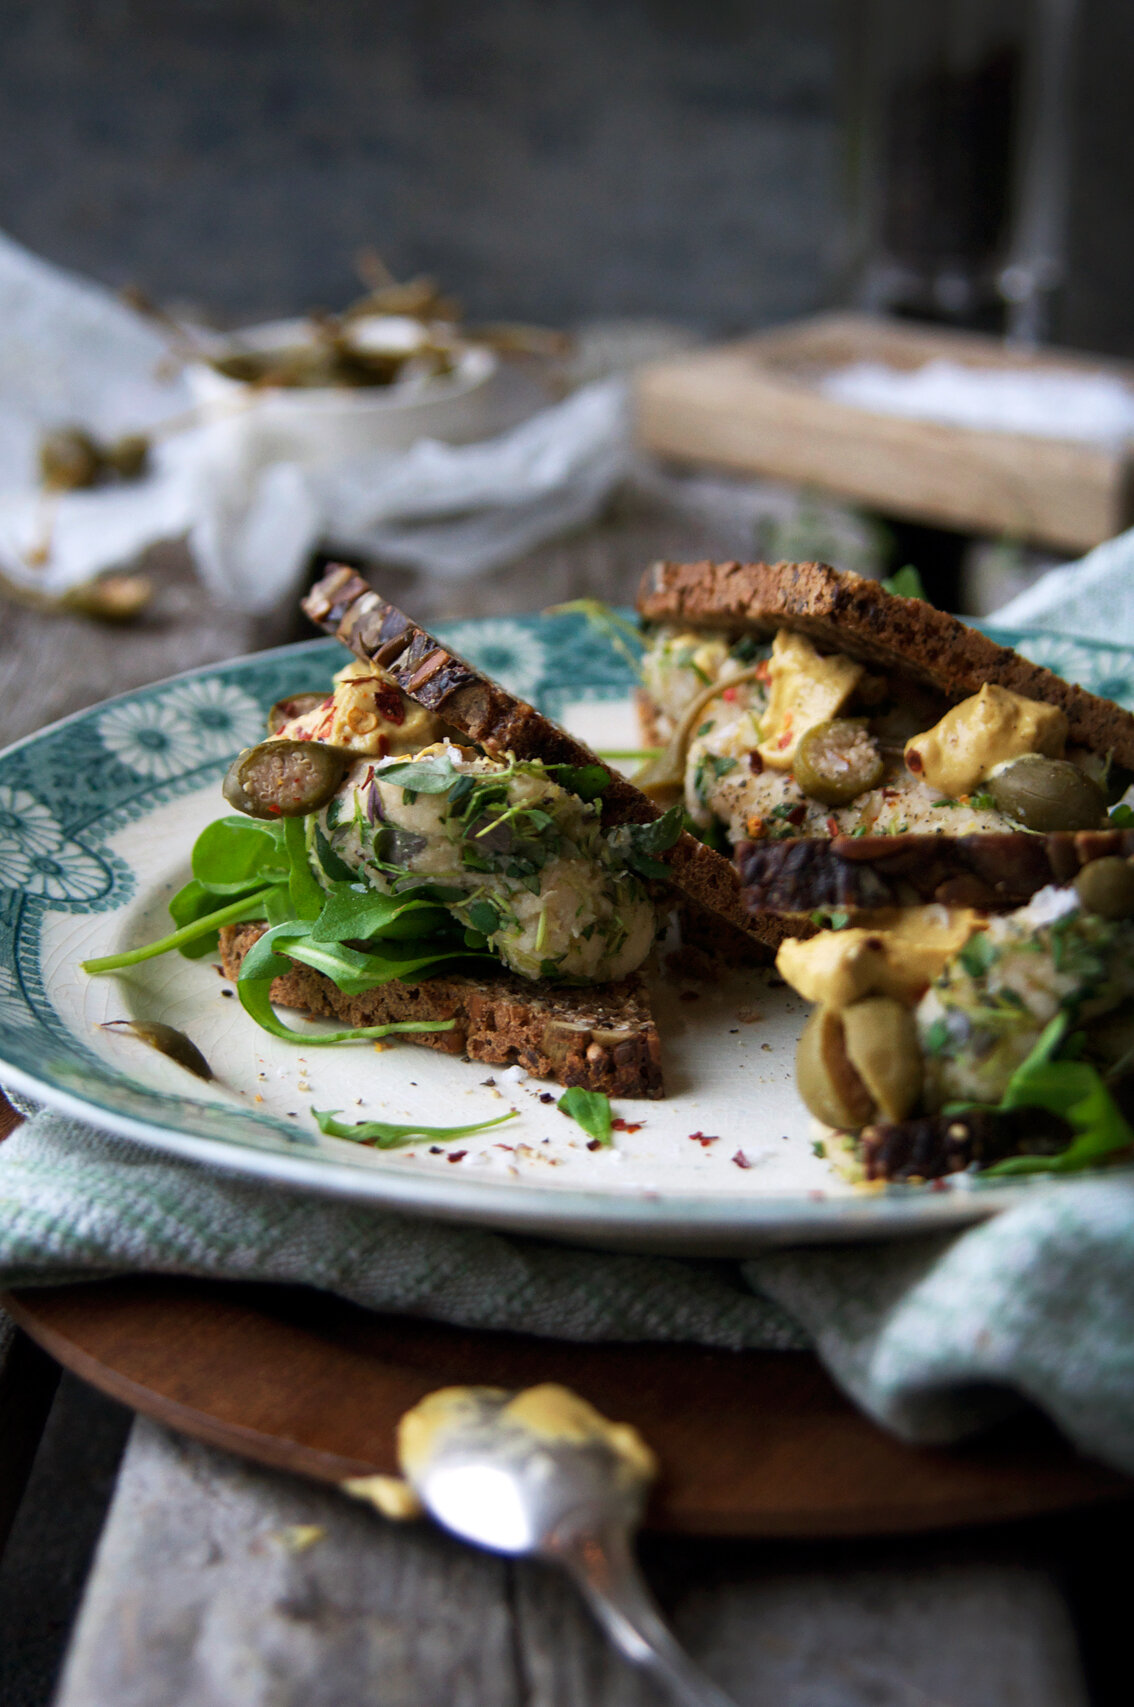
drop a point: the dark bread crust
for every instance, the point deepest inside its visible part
(343, 604)
(602, 1038)
(905, 637)
(991, 871)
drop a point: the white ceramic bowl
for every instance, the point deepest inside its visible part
(327, 424)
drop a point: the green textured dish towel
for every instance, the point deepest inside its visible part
(934, 1337)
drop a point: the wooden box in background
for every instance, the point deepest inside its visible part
(755, 406)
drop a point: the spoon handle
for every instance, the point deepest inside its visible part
(605, 1569)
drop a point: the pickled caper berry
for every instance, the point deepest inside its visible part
(1047, 794)
(837, 761)
(285, 779)
(296, 705)
(69, 459)
(128, 456)
(1106, 887)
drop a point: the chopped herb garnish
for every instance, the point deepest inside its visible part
(591, 1109)
(982, 802)
(836, 921)
(639, 844)
(389, 1135)
(978, 955)
(1122, 817)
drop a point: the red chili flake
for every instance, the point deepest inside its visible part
(755, 763)
(546, 1096)
(797, 814)
(383, 746)
(763, 670)
(705, 1138)
(594, 1144)
(914, 761)
(436, 1150)
(303, 735)
(390, 705)
(741, 1160)
(939, 1185)
(729, 694)
(457, 1155)
(620, 1125)
(832, 825)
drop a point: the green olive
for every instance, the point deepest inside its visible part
(1106, 887)
(837, 761)
(285, 779)
(880, 1037)
(296, 705)
(128, 456)
(825, 1079)
(69, 459)
(1047, 794)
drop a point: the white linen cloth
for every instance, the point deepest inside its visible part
(252, 502)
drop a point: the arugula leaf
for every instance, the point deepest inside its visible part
(1072, 1089)
(333, 867)
(591, 1109)
(305, 894)
(905, 583)
(587, 781)
(244, 907)
(236, 853)
(638, 844)
(389, 1135)
(193, 902)
(266, 961)
(354, 913)
(434, 775)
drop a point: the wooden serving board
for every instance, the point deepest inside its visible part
(755, 406)
(753, 1444)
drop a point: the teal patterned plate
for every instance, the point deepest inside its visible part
(97, 816)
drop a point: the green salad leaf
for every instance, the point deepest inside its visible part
(389, 1135)
(640, 844)
(1076, 1091)
(591, 1109)
(905, 583)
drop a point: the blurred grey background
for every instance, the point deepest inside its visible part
(549, 159)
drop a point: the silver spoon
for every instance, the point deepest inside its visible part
(541, 1473)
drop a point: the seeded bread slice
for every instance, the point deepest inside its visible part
(601, 1038)
(905, 637)
(344, 605)
(786, 880)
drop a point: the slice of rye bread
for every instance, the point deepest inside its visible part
(476, 707)
(907, 638)
(602, 1038)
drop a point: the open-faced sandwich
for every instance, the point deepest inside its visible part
(420, 852)
(854, 749)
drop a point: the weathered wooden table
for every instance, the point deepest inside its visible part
(219, 1584)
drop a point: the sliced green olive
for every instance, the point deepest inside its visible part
(285, 779)
(837, 761)
(1047, 794)
(880, 1037)
(1106, 887)
(824, 1076)
(296, 705)
(69, 459)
